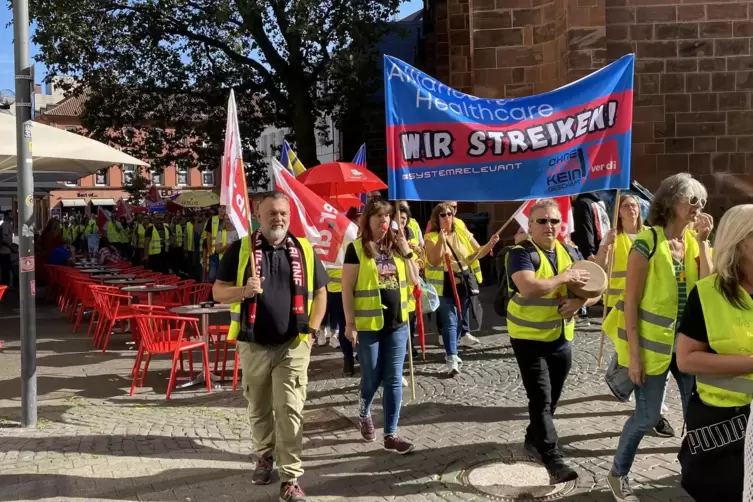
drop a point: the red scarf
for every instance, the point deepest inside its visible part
(297, 276)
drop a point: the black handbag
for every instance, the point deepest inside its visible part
(713, 451)
(467, 277)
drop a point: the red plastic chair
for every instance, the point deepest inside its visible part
(196, 293)
(113, 308)
(218, 334)
(166, 335)
(168, 280)
(174, 297)
(83, 300)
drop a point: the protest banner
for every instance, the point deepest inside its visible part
(327, 229)
(443, 144)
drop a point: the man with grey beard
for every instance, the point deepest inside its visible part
(273, 316)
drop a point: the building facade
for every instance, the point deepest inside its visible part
(693, 82)
(106, 187)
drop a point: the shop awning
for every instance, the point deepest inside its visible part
(102, 202)
(73, 202)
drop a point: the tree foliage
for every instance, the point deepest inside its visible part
(137, 188)
(157, 72)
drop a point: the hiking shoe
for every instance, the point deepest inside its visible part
(560, 472)
(366, 426)
(663, 428)
(398, 445)
(468, 340)
(531, 450)
(349, 368)
(621, 490)
(452, 367)
(262, 474)
(291, 492)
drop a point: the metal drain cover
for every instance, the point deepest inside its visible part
(512, 479)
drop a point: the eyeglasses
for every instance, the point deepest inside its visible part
(546, 221)
(697, 201)
(445, 215)
(631, 205)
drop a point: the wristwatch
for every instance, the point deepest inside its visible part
(409, 256)
(313, 331)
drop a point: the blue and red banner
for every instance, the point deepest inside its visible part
(446, 145)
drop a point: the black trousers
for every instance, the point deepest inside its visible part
(158, 263)
(544, 366)
(5, 269)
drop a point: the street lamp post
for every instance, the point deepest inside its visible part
(24, 85)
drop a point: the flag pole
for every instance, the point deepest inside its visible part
(509, 220)
(610, 258)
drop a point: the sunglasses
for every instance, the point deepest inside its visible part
(697, 201)
(445, 215)
(545, 221)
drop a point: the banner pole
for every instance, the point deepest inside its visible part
(610, 258)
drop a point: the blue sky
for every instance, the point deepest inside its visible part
(6, 44)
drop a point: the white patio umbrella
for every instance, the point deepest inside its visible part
(58, 155)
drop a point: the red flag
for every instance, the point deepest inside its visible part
(566, 226)
(103, 218)
(328, 230)
(153, 194)
(123, 210)
(233, 191)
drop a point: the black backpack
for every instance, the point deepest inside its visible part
(506, 286)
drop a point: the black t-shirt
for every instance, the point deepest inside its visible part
(693, 322)
(389, 286)
(275, 323)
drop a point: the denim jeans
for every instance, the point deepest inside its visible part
(336, 322)
(382, 354)
(447, 316)
(544, 366)
(214, 265)
(648, 401)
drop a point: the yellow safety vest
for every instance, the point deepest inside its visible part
(367, 302)
(240, 281)
(657, 312)
(335, 284)
(730, 331)
(125, 235)
(178, 236)
(412, 242)
(91, 227)
(622, 245)
(539, 318)
(80, 229)
(67, 234)
(413, 225)
(139, 237)
(155, 244)
(215, 227)
(189, 236)
(435, 275)
(113, 235)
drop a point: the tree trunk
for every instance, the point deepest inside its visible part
(304, 126)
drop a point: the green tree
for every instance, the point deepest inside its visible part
(137, 188)
(157, 72)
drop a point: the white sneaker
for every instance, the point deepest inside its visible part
(468, 340)
(457, 358)
(321, 337)
(453, 368)
(334, 340)
(405, 382)
(441, 341)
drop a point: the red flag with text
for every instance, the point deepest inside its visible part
(234, 192)
(328, 230)
(123, 210)
(566, 226)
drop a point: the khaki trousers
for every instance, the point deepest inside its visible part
(274, 384)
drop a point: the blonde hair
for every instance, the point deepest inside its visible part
(544, 204)
(639, 226)
(735, 226)
(671, 191)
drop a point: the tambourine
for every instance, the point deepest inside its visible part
(596, 284)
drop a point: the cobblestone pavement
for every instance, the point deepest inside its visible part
(94, 442)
